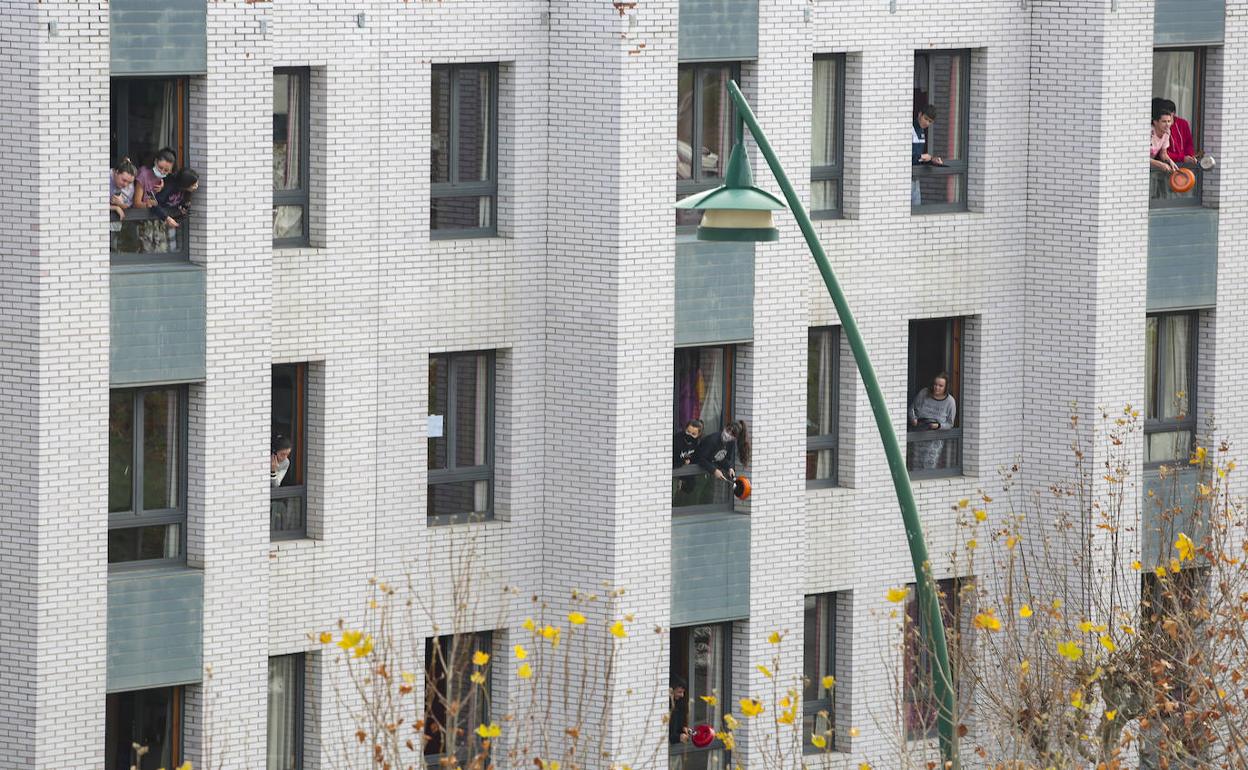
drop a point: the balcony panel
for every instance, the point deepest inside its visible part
(710, 568)
(158, 323)
(718, 30)
(714, 292)
(1182, 258)
(158, 37)
(1170, 507)
(155, 628)
(1188, 22)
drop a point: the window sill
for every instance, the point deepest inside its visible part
(292, 542)
(456, 519)
(465, 235)
(149, 567)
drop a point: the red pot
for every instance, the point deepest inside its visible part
(703, 736)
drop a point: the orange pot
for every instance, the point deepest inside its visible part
(741, 487)
(1182, 180)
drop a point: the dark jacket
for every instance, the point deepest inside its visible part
(917, 148)
(684, 447)
(714, 452)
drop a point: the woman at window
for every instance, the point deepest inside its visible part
(718, 453)
(932, 409)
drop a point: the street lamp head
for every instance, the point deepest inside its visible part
(737, 210)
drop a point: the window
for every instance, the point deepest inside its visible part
(822, 403)
(919, 695)
(942, 82)
(146, 473)
(288, 458)
(454, 704)
(147, 115)
(700, 661)
(464, 190)
(702, 390)
(1179, 77)
(706, 119)
(827, 140)
(818, 662)
(285, 742)
(291, 123)
(149, 718)
(1170, 372)
(934, 439)
(461, 436)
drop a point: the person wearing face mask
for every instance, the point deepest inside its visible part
(718, 453)
(685, 444)
(932, 409)
(150, 183)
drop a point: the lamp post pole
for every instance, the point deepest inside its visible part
(929, 606)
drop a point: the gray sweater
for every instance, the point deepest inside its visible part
(943, 411)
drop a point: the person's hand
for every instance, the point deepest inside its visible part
(720, 475)
(272, 463)
(933, 425)
(686, 734)
(160, 185)
(914, 423)
(116, 200)
(925, 158)
(938, 161)
(732, 473)
(171, 222)
(1173, 167)
(1190, 159)
(121, 213)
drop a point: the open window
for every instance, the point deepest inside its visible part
(703, 391)
(701, 658)
(1179, 86)
(150, 719)
(705, 122)
(147, 115)
(454, 704)
(919, 704)
(934, 393)
(942, 83)
(288, 452)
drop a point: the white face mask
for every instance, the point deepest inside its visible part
(726, 436)
(159, 174)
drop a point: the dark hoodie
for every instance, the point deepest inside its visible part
(684, 447)
(714, 452)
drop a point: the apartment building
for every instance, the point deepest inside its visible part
(473, 316)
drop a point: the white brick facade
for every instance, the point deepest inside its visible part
(576, 294)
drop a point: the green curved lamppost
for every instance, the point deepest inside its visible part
(739, 211)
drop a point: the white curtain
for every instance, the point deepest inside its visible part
(823, 128)
(481, 490)
(285, 672)
(1174, 78)
(823, 419)
(167, 120)
(1174, 384)
(711, 373)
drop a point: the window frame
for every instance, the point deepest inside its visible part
(478, 640)
(696, 184)
(299, 197)
(1200, 60)
(949, 590)
(455, 188)
(176, 712)
(1155, 425)
(725, 695)
(834, 172)
(300, 444)
(453, 473)
(959, 168)
(693, 469)
(826, 607)
(138, 517)
(300, 693)
(119, 103)
(828, 441)
(955, 343)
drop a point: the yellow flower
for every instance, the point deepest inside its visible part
(477, 677)
(552, 633)
(865, 766)
(364, 647)
(529, 625)
(981, 515)
(1198, 457)
(786, 718)
(1109, 715)
(971, 545)
(988, 620)
(774, 637)
(525, 671)
(731, 722)
(1011, 541)
(326, 637)
(710, 700)
(185, 765)
(963, 503)
(896, 595)
(1185, 547)
(1025, 666)
(1085, 626)
(1135, 565)
(1175, 566)
(1204, 489)
(763, 670)
(1057, 604)
(1025, 611)
(409, 678)
(828, 682)
(729, 742)
(1159, 571)
(617, 629)
(520, 652)
(1128, 630)
(1070, 650)
(751, 707)
(480, 658)
(853, 732)
(1076, 699)
(349, 639)
(1108, 643)
(490, 731)
(818, 741)
(576, 618)
(786, 702)
(551, 765)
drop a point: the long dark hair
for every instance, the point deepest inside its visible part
(183, 181)
(738, 429)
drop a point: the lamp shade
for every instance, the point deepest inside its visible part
(737, 210)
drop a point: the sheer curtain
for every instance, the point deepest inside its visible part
(287, 144)
(821, 422)
(285, 673)
(167, 125)
(1174, 78)
(823, 113)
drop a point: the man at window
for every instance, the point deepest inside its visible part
(919, 155)
(678, 708)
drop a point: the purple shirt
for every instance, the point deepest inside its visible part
(148, 180)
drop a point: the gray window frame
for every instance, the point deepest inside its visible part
(693, 469)
(1154, 425)
(140, 517)
(828, 441)
(300, 442)
(825, 609)
(477, 640)
(119, 101)
(952, 588)
(300, 694)
(834, 172)
(455, 188)
(453, 473)
(954, 365)
(1196, 199)
(687, 187)
(725, 694)
(299, 197)
(959, 168)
